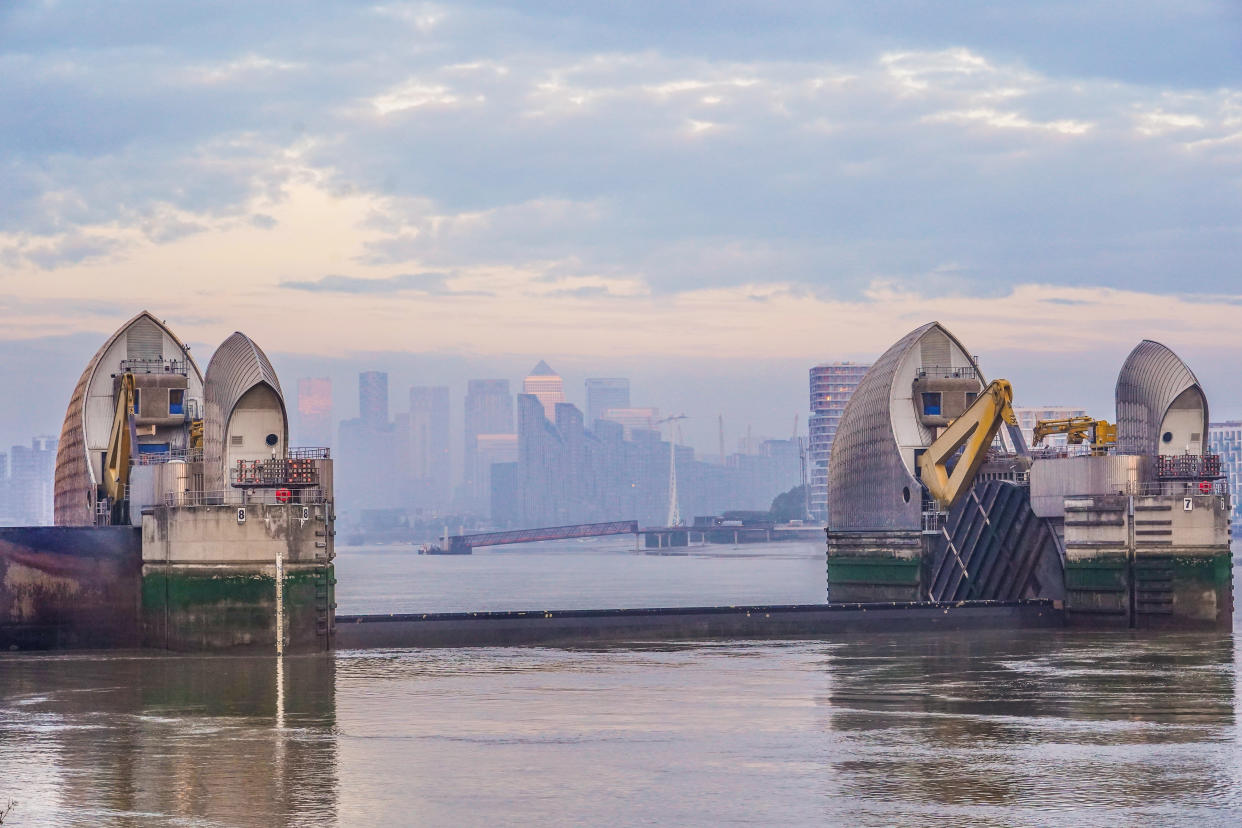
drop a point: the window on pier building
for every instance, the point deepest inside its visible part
(931, 403)
(176, 401)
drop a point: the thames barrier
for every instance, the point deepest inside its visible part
(186, 521)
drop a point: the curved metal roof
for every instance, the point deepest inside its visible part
(1151, 378)
(866, 474)
(74, 487)
(238, 365)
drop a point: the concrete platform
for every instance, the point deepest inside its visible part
(585, 627)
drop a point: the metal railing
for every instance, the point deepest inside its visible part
(1179, 488)
(276, 472)
(1187, 466)
(309, 453)
(184, 455)
(155, 366)
(933, 522)
(946, 372)
(244, 497)
(1059, 452)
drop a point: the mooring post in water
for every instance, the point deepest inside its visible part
(280, 604)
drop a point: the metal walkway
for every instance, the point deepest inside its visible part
(461, 544)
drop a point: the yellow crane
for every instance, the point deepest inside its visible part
(120, 443)
(1078, 430)
(972, 432)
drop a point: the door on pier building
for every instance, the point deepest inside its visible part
(256, 428)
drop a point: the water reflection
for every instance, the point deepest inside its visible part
(987, 728)
(95, 738)
(1037, 722)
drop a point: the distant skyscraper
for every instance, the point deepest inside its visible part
(31, 473)
(603, 393)
(488, 411)
(490, 450)
(373, 399)
(314, 411)
(832, 385)
(370, 462)
(632, 418)
(547, 386)
(1225, 439)
(429, 442)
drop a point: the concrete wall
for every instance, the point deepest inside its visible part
(65, 587)
(1149, 561)
(214, 534)
(1053, 480)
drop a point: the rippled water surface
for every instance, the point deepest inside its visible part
(986, 728)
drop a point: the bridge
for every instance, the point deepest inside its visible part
(657, 537)
(463, 544)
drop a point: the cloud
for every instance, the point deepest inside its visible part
(825, 147)
(75, 248)
(422, 282)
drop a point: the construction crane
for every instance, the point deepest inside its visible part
(972, 432)
(674, 508)
(121, 444)
(672, 419)
(1101, 434)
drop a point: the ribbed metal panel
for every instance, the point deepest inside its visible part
(74, 490)
(866, 475)
(237, 366)
(1151, 378)
(994, 547)
(144, 340)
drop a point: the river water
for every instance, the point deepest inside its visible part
(1044, 728)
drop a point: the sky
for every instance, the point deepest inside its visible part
(706, 198)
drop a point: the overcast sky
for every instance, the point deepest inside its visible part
(726, 193)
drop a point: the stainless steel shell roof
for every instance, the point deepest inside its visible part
(867, 478)
(237, 366)
(1151, 378)
(74, 487)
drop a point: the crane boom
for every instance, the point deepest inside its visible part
(972, 432)
(120, 442)
(1077, 430)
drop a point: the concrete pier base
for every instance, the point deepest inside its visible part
(875, 566)
(1149, 562)
(231, 607)
(209, 577)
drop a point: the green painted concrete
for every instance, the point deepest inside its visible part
(879, 579)
(885, 571)
(1169, 591)
(1098, 575)
(186, 607)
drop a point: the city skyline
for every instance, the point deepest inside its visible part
(415, 446)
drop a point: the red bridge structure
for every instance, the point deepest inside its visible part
(463, 544)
